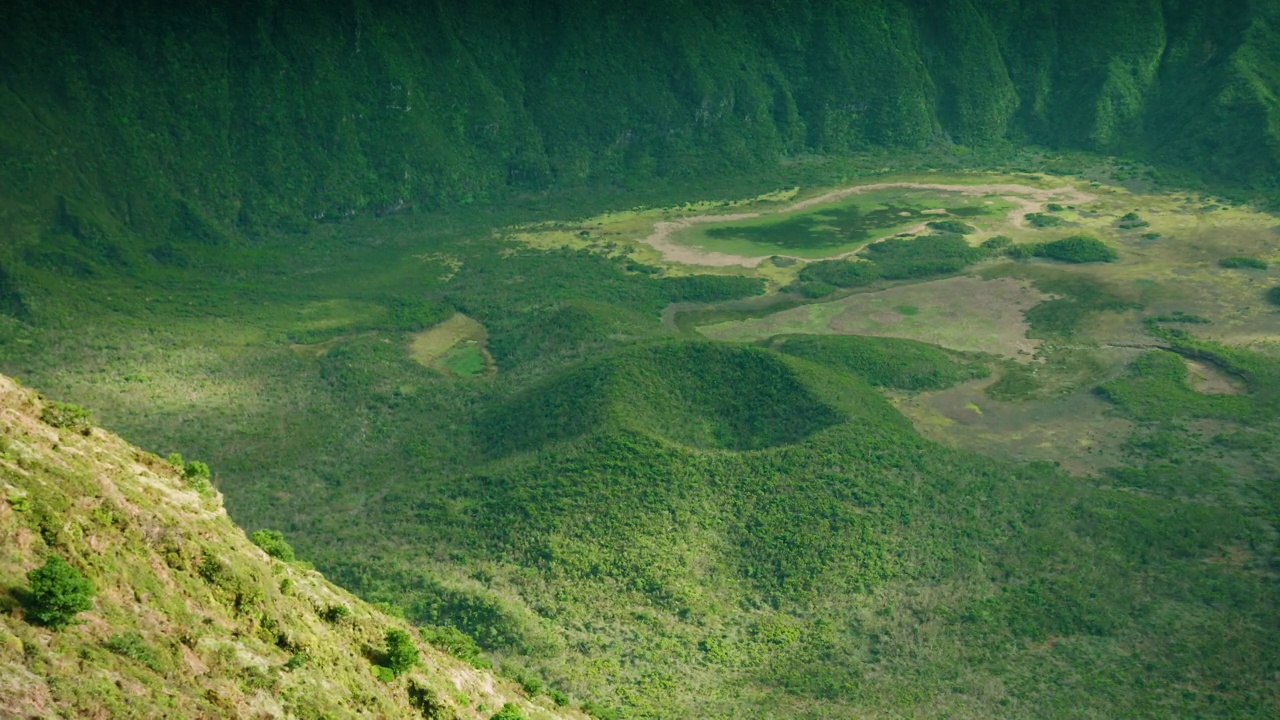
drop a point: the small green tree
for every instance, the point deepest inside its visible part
(196, 469)
(402, 654)
(58, 593)
(273, 543)
(197, 475)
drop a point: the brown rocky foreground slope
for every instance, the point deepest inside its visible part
(189, 619)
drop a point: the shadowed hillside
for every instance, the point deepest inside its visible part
(181, 123)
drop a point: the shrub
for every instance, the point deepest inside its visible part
(456, 643)
(402, 654)
(1020, 252)
(952, 226)
(508, 712)
(711, 288)
(531, 684)
(840, 273)
(812, 290)
(58, 593)
(197, 475)
(196, 469)
(1040, 220)
(1273, 295)
(1179, 316)
(1131, 221)
(273, 543)
(1076, 249)
(905, 258)
(132, 646)
(997, 243)
(414, 315)
(334, 613)
(66, 416)
(1233, 263)
(886, 362)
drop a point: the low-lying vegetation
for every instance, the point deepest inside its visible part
(1074, 249)
(886, 362)
(1240, 262)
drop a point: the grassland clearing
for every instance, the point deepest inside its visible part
(961, 313)
(456, 346)
(1071, 426)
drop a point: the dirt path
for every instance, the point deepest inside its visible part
(660, 238)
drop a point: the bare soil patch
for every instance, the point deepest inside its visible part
(1207, 379)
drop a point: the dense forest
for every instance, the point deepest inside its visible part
(195, 123)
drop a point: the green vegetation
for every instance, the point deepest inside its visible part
(66, 416)
(826, 229)
(509, 712)
(839, 273)
(698, 394)
(132, 645)
(339, 113)
(402, 654)
(58, 593)
(633, 519)
(1079, 297)
(903, 258)
(163, 608)
(1076, 249)
(1131, 221)
(954, 227)
(1156, 388)
(1273, 295)
(834, 229)
(1040, 220)
(997, 244)
(199, 476)
(1236, 263)
(886, 362)
(228, 225)
(1179, 316)
(273, 543)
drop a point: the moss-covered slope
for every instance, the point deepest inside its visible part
(188, 617)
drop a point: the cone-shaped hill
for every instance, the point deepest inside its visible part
(696, 394)
(181, 615)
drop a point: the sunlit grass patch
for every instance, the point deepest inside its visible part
(960, 313)
(456, 346)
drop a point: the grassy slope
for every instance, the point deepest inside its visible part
(216, 618)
